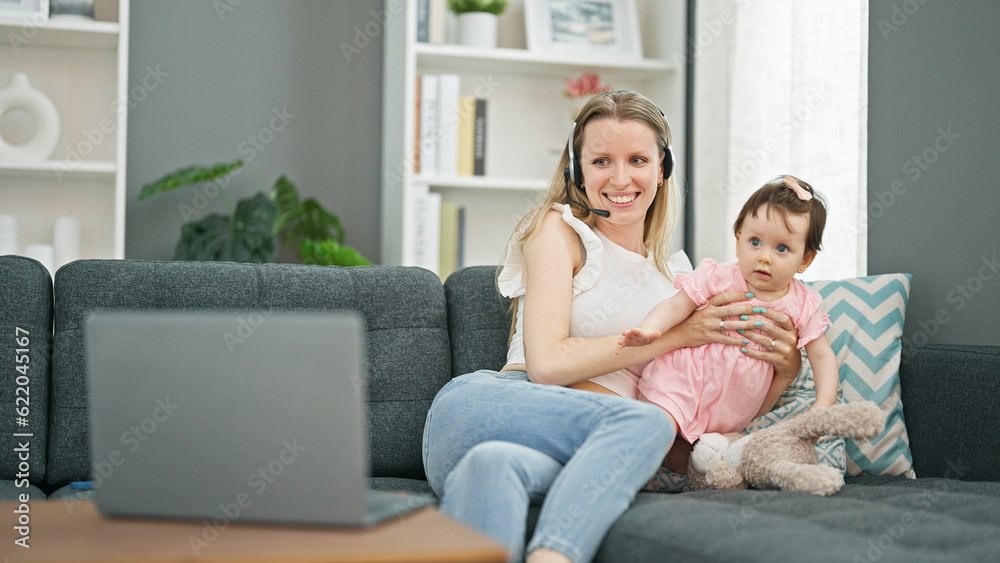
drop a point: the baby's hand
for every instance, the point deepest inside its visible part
(637, 337)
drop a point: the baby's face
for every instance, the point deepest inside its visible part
(771, 252)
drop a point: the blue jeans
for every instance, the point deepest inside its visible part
(493, 440)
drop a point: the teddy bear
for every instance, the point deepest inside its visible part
(781, 456)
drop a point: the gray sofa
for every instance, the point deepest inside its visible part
(422, 332)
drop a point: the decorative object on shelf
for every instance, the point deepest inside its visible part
(582, 27)
(43, 253)
(584, 86)
(19, 94)
(8, 234)
(21, 8)
(66, 240)
(477, 21)
(248, 234)
(83, 9)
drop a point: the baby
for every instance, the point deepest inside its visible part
(718, 387)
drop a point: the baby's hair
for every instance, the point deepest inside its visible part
(780, 195)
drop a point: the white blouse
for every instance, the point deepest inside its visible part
(612, 292)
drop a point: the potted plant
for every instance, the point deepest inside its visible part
(249, 231)
(477, 21)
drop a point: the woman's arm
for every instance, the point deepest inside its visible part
(551, 259)
(552, 256)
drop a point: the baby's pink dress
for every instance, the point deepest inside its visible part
(715, 387)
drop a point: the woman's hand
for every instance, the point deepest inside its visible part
(775, 333)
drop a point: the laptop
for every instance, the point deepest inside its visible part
(237, 416)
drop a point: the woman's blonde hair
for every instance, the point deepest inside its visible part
(661, 216)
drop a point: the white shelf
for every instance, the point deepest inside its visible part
(58, 169)
(527, 119)
(457, 58)
(60, 33)
(82, 66)
(482, 183)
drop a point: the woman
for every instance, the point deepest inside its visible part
(579, 276)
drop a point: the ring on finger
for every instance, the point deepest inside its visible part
(722, 325)
(771, 347)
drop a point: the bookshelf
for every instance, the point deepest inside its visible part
(82, 66)
(528, 119)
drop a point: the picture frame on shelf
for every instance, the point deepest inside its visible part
(23, 8)
(607, 28)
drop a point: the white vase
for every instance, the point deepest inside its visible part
(19, 94)
(477, 29)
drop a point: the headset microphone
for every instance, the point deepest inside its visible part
(569, 198)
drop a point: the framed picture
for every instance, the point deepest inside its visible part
(22, 8)
(586, 27)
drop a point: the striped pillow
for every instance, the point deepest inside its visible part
(867, 315)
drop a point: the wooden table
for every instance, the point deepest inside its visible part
(74, 531)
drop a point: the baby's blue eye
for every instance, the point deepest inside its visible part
(782, 248)
(755, 242)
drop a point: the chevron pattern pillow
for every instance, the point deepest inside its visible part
(867, 315)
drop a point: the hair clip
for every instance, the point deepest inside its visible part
(794, 185)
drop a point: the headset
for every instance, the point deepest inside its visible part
(574, 173)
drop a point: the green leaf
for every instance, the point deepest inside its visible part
(299, 220)
(329, 252)
(246, 236)
(188, 176)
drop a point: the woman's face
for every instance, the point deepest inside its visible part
(621, 166)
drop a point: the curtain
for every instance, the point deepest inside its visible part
(781, 87)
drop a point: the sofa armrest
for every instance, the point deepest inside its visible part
(949, 395)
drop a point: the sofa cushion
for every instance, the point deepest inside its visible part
(882, 519)
(478, 320)
(867, 315)
(26, 333)
(407, 350)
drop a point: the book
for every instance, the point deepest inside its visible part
(416, 126)
(423, 228)
(423, 21)
(466, 135)
(449, 238)
(479, 152)
(428, 147)
(448, 118)
(460, 251)
(437, 12)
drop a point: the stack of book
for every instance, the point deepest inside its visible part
(437, 232)
(450, 129)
